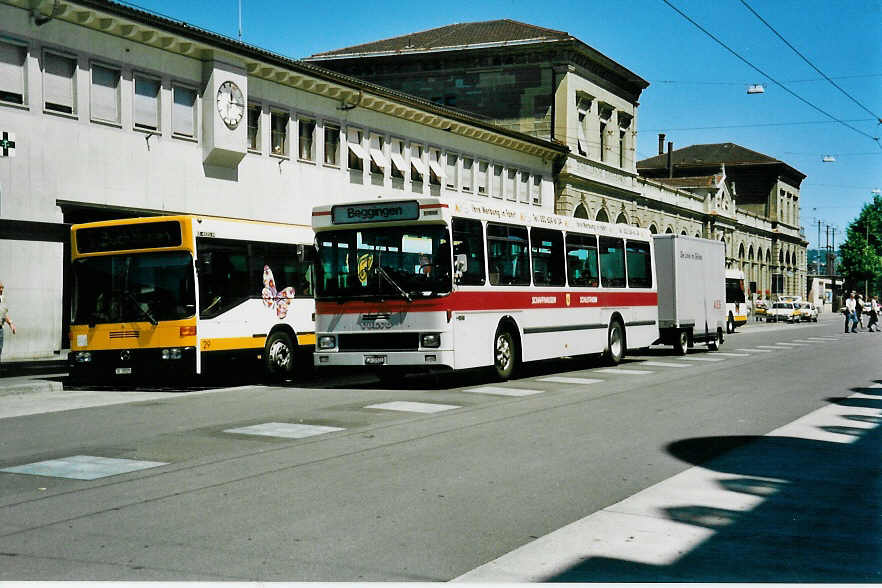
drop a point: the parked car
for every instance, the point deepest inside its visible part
(809, 312)
(784, 311)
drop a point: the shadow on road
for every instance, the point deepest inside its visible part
(817, 519)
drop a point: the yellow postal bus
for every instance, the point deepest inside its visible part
(174, 294)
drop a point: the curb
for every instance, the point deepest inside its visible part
(22, 386)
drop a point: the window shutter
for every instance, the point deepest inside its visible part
(12, 68)
(105, 93)
(183, 111)
(147, 103)
(58, 80)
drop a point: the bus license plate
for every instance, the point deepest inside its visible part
(123, 370)
(374, 359)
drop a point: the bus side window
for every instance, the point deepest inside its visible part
(546, 246)
(468, 240)
(508, 255)
(582, 268)
(612, 262)
(639, 263)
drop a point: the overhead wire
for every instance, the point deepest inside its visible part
(813, 66)
(763, 73)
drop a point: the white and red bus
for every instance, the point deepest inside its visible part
(432, 283)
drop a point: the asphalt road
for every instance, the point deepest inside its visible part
(494, 471)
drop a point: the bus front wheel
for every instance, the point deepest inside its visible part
(279, 355)
(505, 354)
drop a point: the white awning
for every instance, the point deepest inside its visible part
(418, 165)
(378, 158)
(398, 161)
(358, 150)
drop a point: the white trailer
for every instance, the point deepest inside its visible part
(691, 274)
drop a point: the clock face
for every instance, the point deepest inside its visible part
(230, 104)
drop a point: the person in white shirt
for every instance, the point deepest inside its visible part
(850, 317)
(873, 325)
(4, 317)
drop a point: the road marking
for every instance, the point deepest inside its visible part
(285, 430)
(568, 380)
(405, 406)
(668, 523)
(756, 350)
(770, 347)
(693, 358)
(789, 344)
(824, 338)
(804, 341)
(665, 364)
(499, 391)
(728, 354)
(625, 372)
(83, 467)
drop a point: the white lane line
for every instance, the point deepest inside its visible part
(499, 391)
(756, 350)
(665, 364)
(642, 528)
(405, 406)
(694, 358)
(625, 372)
(729, 354)
(804, 341)
(770, 347)
(789, 344)
(568, 380)
(824, 338)
(284, 430)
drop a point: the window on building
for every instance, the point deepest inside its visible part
(357, 155)
(467, 173)
(184, 111)
(547, 249)
(105, 93)
(511, 180)
(536, 190)
(378, 158)
(306, 140)
(254, 127)
(396, 156)
(524, 186)
(602, 141)
(12, 72)
(417, 167)
(435, 171)
(146, 102)
(496, 182)
(621, 148)
(59, 83)
(450, 171)
(279, 132)
(582, 143)
(332, 144)
(481, 184)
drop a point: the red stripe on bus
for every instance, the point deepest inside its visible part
(425, 206)
(322, 213)
(466, 301)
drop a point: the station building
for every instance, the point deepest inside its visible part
(552, 85)
(111, 112)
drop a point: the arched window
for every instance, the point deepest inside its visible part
(602, 216)
(741, 251)
(698, 235)
(581, 212)
(750, 253)
(622, 220)
(653, 230)
(669, 231)
(683, 232)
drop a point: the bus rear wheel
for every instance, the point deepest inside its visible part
(681, 343)
(279, 356)
(505, 354)
(615, 344)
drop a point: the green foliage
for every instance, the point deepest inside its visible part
(861, 253)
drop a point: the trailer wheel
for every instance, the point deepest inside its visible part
(615, 347)
(730, 324)
(681, 343)
(717, 341)
(505, 354)
(279, 356)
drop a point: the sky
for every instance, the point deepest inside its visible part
(698, 88)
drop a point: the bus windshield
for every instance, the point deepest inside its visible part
(388, 262)
(144, 287)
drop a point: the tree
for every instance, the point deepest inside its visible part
(861, 253)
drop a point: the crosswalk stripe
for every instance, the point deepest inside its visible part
(824, 338)
(664, 364)
(568, 380)
(625, 372)
(728, 354)
(789, 344)
(500, 391)
(405, 406)
(693, 358)
(769, 347)
(757, 350)
(803, 341)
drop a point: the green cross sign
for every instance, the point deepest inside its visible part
(7, 144)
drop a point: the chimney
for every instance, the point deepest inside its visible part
(670, 159)
(661, 143)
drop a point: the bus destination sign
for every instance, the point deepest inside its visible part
(372, 213)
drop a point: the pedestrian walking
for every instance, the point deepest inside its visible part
(873, 324)
(849, 312)
(4, 318)
(859, 311)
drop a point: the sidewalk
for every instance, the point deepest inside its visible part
(29, 376)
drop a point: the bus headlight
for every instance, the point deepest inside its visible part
(327, 342)
(82, 357)
(430, 340)
(172, 353)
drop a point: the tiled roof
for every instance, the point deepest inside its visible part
(693, 182)
(455, 36)
(709, 154)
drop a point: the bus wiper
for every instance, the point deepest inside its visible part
(379, 269)
(143, 310)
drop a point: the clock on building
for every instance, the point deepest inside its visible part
(230, 104)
